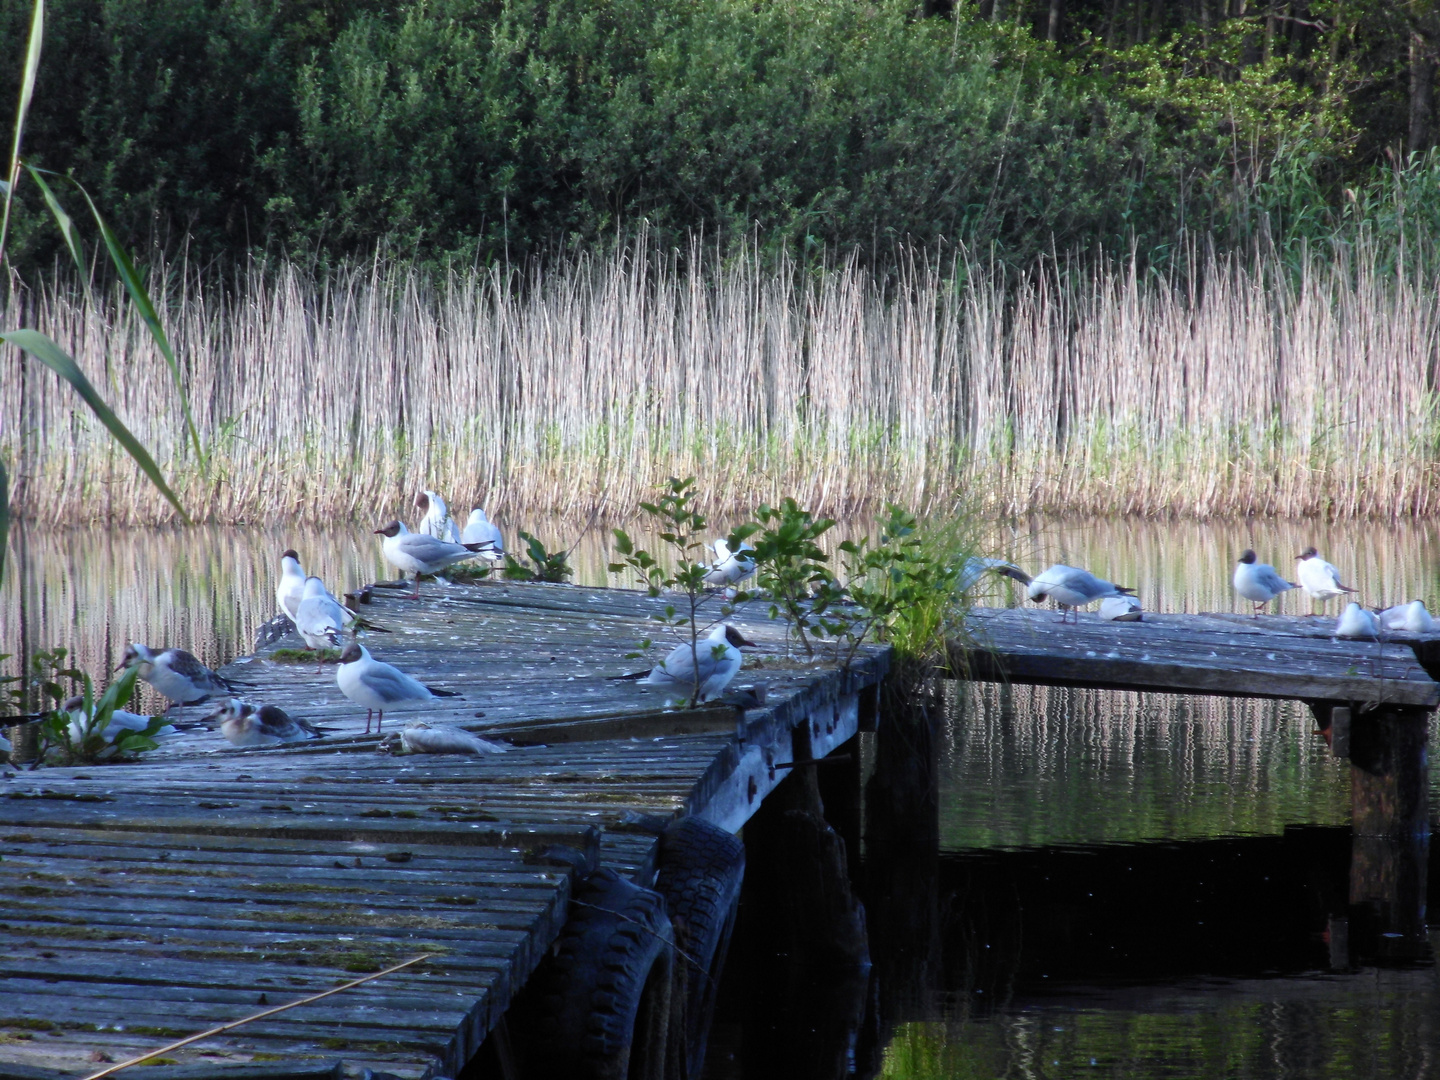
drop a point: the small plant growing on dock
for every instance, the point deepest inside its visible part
(682, 528)
(793, 568)
(90, 742)
(551, 566)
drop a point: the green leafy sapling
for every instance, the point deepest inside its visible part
(682, 529)
(552, 566)
(89, 740)
(793, 568)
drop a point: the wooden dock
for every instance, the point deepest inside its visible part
(1275, 656)
(146, 902)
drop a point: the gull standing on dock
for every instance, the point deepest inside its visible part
(378, 686)
(1070, 587)
(1258, 582)
(719, 659)
(244, 724)
(1412, 617)
(436, 520)
(292, 583)
(1357, 624)
(320, 619)
(481, 530)
(176, 674)
(1319, 578)
(420, 553)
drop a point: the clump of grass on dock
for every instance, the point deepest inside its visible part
(1255, 386)
(306, 656)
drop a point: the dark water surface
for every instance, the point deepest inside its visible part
(1108, 885)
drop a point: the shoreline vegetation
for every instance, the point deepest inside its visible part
(1275, 384)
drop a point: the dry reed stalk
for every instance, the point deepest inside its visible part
(1245, 388)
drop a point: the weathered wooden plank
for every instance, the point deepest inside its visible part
(1186, 654)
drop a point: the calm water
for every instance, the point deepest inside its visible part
(1125, 885)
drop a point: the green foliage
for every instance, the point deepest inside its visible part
(792, 568)
(92, 744)
(552, 566)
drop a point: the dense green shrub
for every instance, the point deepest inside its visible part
(451, 128)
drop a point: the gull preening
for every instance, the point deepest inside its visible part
(481, 530)
(1357, 624)
(418, 737)
(320, 619)
(1318, 578)
(1412, 617)
(1258, 582)
(379, 686)
(420, 553)
(1070, 587)
(292, 583)
(176, 674)
(730, 567)
(435, 518)
(244, 724)
(718, 657)
(120, 720)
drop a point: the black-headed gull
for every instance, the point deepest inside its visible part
(420, 553)
(718, 656)
(379, 686)
(1071, 587)
(176, 674)
(1258, 582)
(1357, 624)
(244, 724)
(479, 529)
(730, 567)
(1120, 609)
(1412, 617)
(320, 619)
(435, 518)
(1318, 578)
(292, 583)
(418, 737)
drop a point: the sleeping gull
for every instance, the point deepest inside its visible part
(1071, 587)
(719, 659)
(481, 530)
(1258, 582)
(418, 737)
(1120, 609)
(1319, 578)
(244, 724)
(320, 619)
(292, 583)
(176, 674)
(379, 686)
(1357, 624)
(436, 520)
(420, 553)
(1412, 616)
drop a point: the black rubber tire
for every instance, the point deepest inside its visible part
(598, 1007)
(701, 869)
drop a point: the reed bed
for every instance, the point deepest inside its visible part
(1239, 387)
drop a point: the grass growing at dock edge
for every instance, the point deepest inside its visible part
(1255, 386)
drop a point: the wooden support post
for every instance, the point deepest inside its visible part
(1390, 819)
